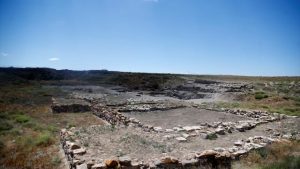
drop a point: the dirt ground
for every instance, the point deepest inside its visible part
(183, 117)
(104, 142)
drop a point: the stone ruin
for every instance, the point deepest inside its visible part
(218, 157)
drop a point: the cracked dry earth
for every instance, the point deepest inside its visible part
(145, 131)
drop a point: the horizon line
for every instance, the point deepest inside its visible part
(171, 73)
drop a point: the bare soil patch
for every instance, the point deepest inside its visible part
(183, 117)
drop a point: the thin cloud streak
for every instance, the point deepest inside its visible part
(53, 59)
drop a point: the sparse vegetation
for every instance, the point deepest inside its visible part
(260, 95)
(276, 156)
(212, 136)
(21, 118)
(289, 162)
(44, 139)
(56, 161)
(29, 128)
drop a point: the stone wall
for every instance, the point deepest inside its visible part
(69, 105)
(218, 157)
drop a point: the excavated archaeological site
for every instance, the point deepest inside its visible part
(166, 129)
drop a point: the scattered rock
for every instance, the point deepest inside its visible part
(135, 165)
(178, 129)
(207, 153)
(238, 143)
(181, 139)
(168, 136)
(233, 149)
(189, 163)
(219, 149)
(169, 130)
(125, 160)
(158, 129)
(111, 163)
(191, 128)
(287, 136)
(99, 166)
(220, 131)
(240, 128)
(239, 152)
(276, 134)
(73, 146)
(184, 135)
(82, 166)
(79, 151)
(169, 160)
(90, 164)
(224, 154)
(77, 161)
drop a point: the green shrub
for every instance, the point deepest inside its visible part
(44, 139)
(212, 136)
(21, 118)
(260, 95)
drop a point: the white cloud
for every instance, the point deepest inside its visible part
(4, 54)
(53, 59)
(151, 0)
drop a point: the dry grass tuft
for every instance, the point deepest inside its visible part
(279, 155)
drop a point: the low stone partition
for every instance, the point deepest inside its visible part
(206, 130)
(206, 159)
(254, 114)
(148, 107)
(218, 157)
(69, 105)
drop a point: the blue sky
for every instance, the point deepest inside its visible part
(239, 37)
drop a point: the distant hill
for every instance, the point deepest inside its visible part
(131, 80)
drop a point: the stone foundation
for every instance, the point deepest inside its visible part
(69, 105)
